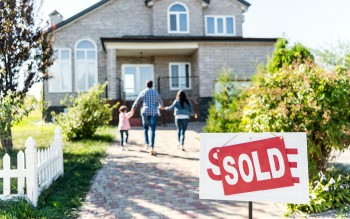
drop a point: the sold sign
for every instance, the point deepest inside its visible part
(253, 166)
(267, 167)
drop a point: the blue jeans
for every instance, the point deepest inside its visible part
(122, 136)
(181, 125)
(149, 121)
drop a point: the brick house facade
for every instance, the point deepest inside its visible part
(179, 44)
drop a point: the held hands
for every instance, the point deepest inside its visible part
(195, 116)
(161, 107)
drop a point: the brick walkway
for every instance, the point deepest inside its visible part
(134, 184)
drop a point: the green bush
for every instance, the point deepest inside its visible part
(330, 190)
(285, 56)
(224, 112)
(86, 113)
(303, 98)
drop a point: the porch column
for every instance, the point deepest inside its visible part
(112, 73)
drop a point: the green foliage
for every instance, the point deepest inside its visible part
(86, 113)
(334, 56)
(330, 190)
(303, 98)
(285, 56)
(25, 47)
(224, 112)
(16, 209)
(12, 111)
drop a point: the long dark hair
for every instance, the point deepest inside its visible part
(181, 96)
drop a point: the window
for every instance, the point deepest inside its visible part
(220, 25)
(178, 20)
(85, 65)
(61, 71)
(180, 76)
(135, 77)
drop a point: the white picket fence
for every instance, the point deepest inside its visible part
(36, 169)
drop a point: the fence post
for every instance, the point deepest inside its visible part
(58, 143)
(31, 166)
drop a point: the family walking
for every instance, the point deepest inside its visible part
(150, 111)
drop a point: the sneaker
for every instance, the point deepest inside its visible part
(152, 152)
(182, 147)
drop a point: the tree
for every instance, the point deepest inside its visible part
(224, 112)
(25, 48)
(285, 56)
(334, 56)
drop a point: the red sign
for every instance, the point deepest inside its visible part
(252, 166)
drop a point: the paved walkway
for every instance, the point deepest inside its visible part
(134, 184)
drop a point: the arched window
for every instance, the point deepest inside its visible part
(85, 65)
(61, 70)
(178, 19)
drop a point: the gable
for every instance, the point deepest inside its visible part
(247, 4)
(82, 13)
(102, 2)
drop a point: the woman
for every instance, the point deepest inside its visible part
(182, 112)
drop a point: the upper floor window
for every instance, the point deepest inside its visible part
(220, 25)
(85, 65)
(178, 19)
(180, 76)
(61, 70)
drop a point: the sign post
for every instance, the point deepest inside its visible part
(251, 167)
(250, 210)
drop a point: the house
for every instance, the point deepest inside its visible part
(179, 44)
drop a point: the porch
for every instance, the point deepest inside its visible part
(168, 95)
(172, 66)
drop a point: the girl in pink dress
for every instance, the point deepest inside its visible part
(124, 125)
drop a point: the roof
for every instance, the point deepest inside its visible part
(102, 2)
(55, 13)
(80, 14)
(156, 39)
(208, 1)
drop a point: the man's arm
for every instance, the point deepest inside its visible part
(136, 103)
(160, 102)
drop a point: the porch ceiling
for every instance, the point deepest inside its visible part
(151, 49)
(154, 52)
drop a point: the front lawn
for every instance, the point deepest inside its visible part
(81, 160)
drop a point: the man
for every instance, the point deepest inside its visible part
(151, 101)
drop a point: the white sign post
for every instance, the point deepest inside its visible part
(268, 167)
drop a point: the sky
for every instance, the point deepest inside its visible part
(314, 23)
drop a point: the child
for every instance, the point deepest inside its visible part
(124, 125)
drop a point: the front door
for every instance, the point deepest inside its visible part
(134, 78)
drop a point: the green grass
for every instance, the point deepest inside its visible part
(81, 160)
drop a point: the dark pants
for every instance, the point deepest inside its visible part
(122, 136)
(149, 121)
(181, 125)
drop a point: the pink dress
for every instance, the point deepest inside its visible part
(124, 121)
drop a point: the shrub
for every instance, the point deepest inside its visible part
(85, 114)
(331, 189)
(303, 98)
(285, 56)
(224, 112)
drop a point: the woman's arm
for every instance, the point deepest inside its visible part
(171, 107)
